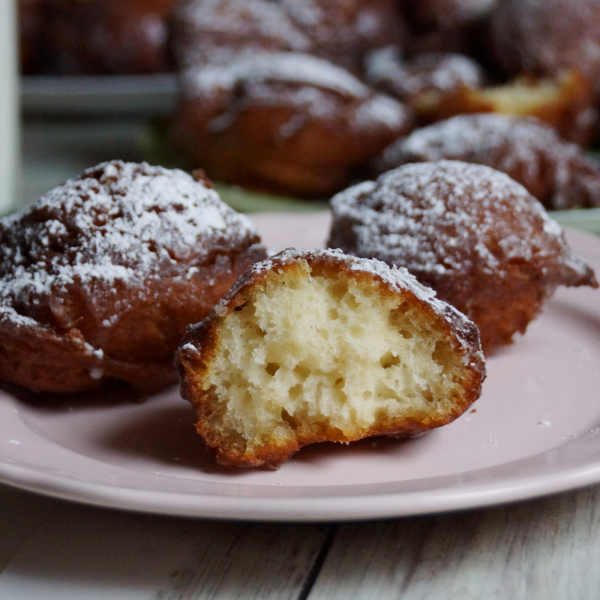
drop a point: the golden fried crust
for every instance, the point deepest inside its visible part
(203, 346)
(471, 233)
(100, 278)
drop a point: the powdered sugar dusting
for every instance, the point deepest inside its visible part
(443, 217)
(523, 147)
(119, 223)
(214, 31)
(425, 72)
(211, 26)
(469, 137)
(259, 67)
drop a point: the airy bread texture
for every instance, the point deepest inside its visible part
(319, 346)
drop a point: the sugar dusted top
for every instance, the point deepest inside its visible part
(446, 217)
(118, 223)
(473, 137)
(291, 67)
(425, 72)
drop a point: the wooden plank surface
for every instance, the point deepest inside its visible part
(546, 549)
(71, 551)
(20, 515)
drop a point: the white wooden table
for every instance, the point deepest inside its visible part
(547, 549)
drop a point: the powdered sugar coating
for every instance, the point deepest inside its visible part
(470, 232)
(100, 278)
(313, 85)
(117, 224)
(553, 170)
(438, 72)
(226, 25)
(474, 135)
(215, 31)
(260, 67)
(435, 218)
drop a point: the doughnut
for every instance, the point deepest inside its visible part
(424, 81)
(101, 276)
(471, 233)
(555, 171)
(270, 97)
(547, 37)
(313, 346)
(285, 122)
(565, 102)
(109, 36)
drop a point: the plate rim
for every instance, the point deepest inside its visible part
(331, 508)
(328, 508)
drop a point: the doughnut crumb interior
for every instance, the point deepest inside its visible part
(319, 346)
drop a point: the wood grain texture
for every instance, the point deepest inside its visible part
(247, 561)
(547, 549)
(21, 513)
(83, 552)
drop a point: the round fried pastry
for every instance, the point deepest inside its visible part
(548, 37)
(319, 346)
(270, 92)
(100, 277)
(553, 170)
(284, 122)
(424, 81)
(471, 233)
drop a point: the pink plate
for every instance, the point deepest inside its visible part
(535, 431)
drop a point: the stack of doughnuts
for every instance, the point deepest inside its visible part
(298, 97)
